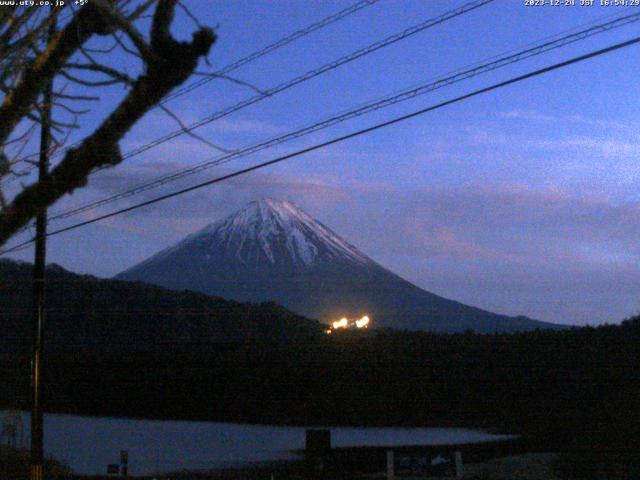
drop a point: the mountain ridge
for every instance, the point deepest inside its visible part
(272, 214)
(83, 310)
(273, 250)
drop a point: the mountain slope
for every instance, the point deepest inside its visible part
(272, 250)
(86, 311)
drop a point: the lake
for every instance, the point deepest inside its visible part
(89, 444)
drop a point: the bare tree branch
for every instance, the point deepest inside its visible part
(190, 132)
(193, 18)
(124, 47)
(82, 98)
(20, 100)
(88, 83)
(16, 24)
(19, 138)
(112, 72)
(71, 110)
(127, 27)
(170, 64)
(101, 50)
(140, 10)
(30, 36)
(237, 81)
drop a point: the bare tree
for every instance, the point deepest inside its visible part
(29, 60)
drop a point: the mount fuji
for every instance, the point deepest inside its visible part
(273, 251)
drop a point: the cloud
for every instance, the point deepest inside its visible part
(528, 116)
(246, 125)
(514, 223)
(503, 240)
(550, 253)
(611, 139)
(123, 177)
(607, 146)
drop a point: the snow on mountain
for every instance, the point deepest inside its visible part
(263, 227)
(273, 251)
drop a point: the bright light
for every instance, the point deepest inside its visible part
(342, 323)
(363, 322)
(346, 324)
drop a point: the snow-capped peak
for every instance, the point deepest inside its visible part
(267, 228)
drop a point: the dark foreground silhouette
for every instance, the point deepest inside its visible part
(576, 390)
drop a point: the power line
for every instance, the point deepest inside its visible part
(457, 75)
(359, 111)
(324, 22)
(312, 74)
(390, 40)
(340, 139)
(274, 46)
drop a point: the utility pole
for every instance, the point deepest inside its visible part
(37, 431)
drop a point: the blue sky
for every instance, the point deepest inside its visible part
(521, 201)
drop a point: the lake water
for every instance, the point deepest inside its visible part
(89, 444)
